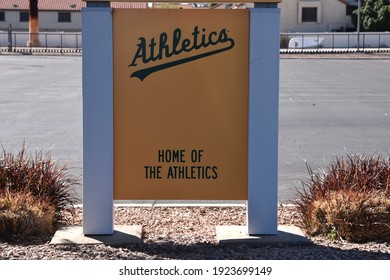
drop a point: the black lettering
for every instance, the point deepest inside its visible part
(186, 43)
(170, 174)
(195, 37)
(176, 41)
(181, 172)
(163, 46)
(179, 45)
(215, 169)
(160, 155)
(171, 156)
(201, 172)
(151, 46)
(212, 42)
(141, 52)
(193, 172)
(153, 172)
(178, 156)
(223, 37)
(204, 44)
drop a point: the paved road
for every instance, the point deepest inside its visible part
(40, 103)
(327, 107)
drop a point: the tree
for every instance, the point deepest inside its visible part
(374, 15)
(33, 24)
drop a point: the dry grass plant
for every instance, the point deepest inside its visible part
(39, 182)
(350, 199)
(23, 215)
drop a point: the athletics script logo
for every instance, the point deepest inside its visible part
(171, 46)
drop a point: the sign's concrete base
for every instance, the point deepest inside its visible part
(123, 235)
(239, 234)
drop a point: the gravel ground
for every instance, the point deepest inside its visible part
(189, 233)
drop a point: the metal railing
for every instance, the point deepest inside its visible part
(335, 42)
(60, 42)
(71, 42)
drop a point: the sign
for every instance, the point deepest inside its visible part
(180, 104)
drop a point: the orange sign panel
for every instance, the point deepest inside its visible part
(180, 104)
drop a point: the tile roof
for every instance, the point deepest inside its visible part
(62, 5)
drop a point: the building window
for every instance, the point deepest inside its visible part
(309, 11)
(2, 16)
(350, 10)
(64, 17)
(24, 16)
(309, 14)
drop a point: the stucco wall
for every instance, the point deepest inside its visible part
(12, 17)
(48, 21)
(332, 16)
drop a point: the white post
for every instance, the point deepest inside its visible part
(358, 26)
(98, 217)
(263, 119)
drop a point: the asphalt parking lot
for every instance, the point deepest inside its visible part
(328, 107)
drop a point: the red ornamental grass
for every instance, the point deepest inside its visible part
(350, 199)
(39, 176)
(23, 215)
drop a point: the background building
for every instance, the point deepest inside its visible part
(317, 15)
(54, 15)
(310, 15)
(296, 15)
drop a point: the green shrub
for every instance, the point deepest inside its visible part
(23, 215)
(350, 199)
(38, 176)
